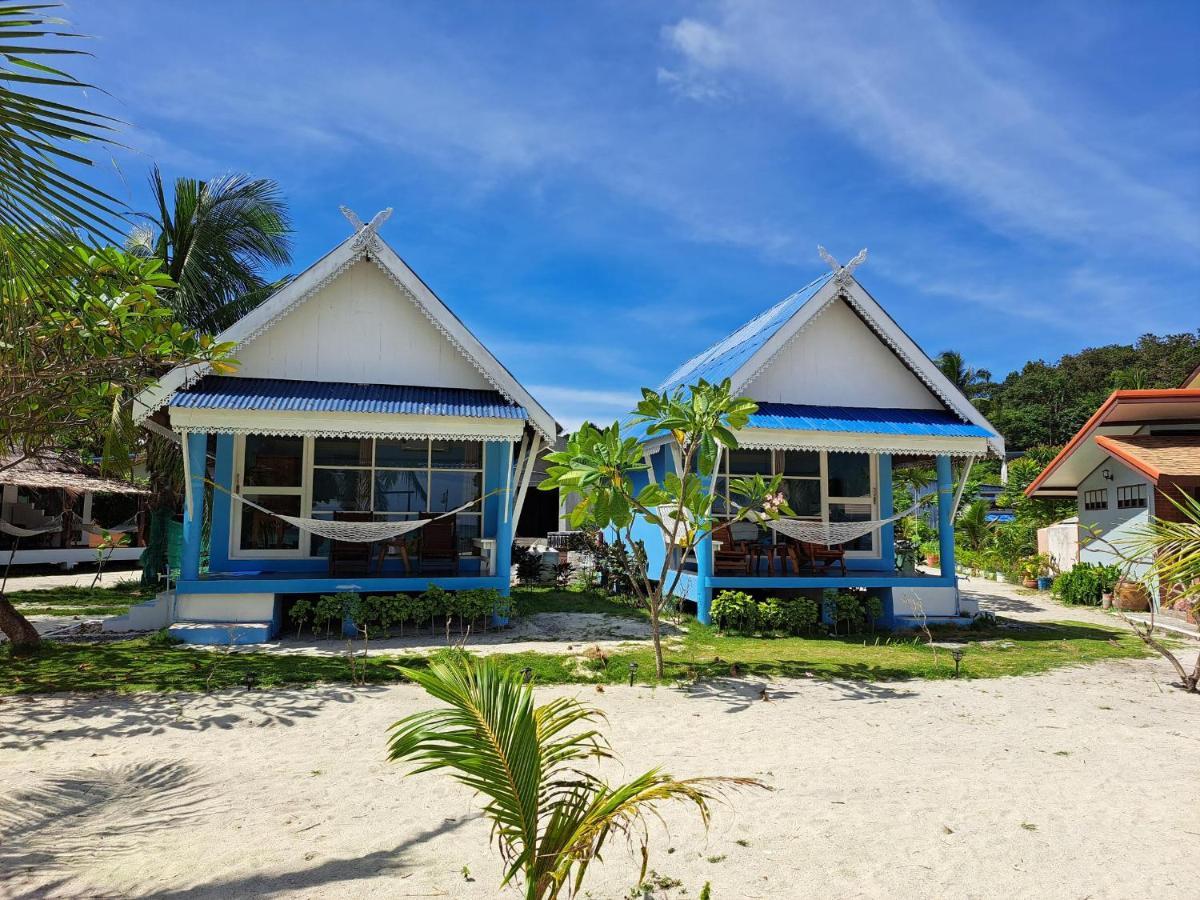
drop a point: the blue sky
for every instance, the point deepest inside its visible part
(601, 190)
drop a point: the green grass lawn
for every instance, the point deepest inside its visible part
(147, 664)
(70, 601)
(531, 600)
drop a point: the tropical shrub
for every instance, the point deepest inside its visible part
(330, 608)
(770, 614)
(529, 564)
(1083, 585)
(799, 615)
(848, 608)
(300, 613)
(735, 611)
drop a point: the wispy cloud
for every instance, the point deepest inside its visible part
(571, 405)
(948, 107)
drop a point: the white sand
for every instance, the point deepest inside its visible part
(1079, 783)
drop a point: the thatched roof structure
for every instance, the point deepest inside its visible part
(61, 470)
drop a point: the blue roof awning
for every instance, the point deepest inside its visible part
(279, 394)
(863, 420)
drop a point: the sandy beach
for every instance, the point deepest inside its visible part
(1078, 783)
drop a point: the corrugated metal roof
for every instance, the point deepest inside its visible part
(726, 356)
(863, 420)
(223, 392)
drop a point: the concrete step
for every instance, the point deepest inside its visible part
(151, 615)
(221, 633)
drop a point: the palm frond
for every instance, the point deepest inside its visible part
(549, 817)
(41, 139)
(215, 238)
(1170, 549)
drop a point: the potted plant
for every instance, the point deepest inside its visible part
(1046, 571)
(932, 553)
(1029, 572)
(1110, 576)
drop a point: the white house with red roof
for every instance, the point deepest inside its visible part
(1138, 451)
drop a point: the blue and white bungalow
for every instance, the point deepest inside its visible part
(843, 395)
(358, 397)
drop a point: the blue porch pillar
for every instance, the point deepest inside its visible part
(704, 569)
(505, 526)
(945, 495)
(193, 518)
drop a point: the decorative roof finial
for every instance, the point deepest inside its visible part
(842, 274)
(365, 234)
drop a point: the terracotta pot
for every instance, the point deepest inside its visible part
(1106, 600)
(1132, 597)
(1029, 582)
(932, 560)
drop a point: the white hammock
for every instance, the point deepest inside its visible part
(45, 527)
(350, 532)
(124, 528)
(831, 533)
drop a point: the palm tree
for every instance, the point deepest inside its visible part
(971, 382)
(215, 239)
(974, 526)
(550, 818)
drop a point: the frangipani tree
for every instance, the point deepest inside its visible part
(599, 466)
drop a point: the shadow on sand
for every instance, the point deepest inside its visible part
(29, 723)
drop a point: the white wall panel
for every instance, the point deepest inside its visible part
(838, 361)
(360, 329)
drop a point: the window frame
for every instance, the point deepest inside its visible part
(1091, 504)
(1138, 498)
(305, 491)
(827, 499)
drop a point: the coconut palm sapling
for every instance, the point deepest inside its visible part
(599, 465)
(549, 816)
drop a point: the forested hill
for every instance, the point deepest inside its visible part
(1046, 403)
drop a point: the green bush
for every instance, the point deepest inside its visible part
(848, 608)
(1083, 585)
(330, 608)
(770, 614)
(799, 615)
(735, 611)
(301, 613)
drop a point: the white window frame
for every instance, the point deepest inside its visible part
(876, 550)
(308, 468)
(237, 507)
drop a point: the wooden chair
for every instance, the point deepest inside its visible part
(732, 557)
(400, 542)
(804, 553)
(350, 557)
(439, 543)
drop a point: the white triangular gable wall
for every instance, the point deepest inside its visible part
(441, 333)
(839, 361)
(903, 348)
(360, 329)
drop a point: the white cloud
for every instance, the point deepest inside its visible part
(950, 108)
(572, 405)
